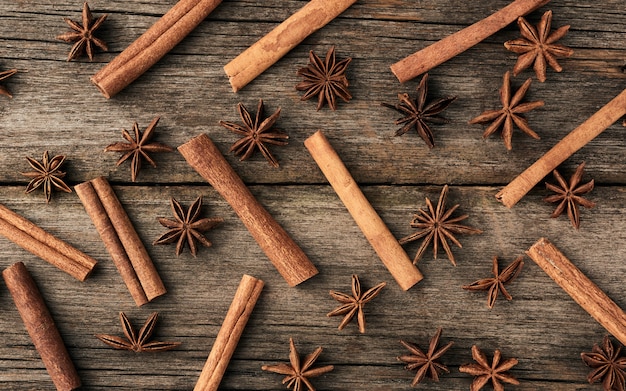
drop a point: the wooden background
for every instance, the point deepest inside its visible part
(55, 108)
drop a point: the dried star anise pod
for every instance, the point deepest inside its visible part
(326, 79)
(426, 363)
(569, 194)
(297, 372)
(137, 342)
(608, 365)
(484, 372)
(83, 35)
(538, 46)
(6, 75)
(417, 113)
(436, 226)
(496, 283)
(353, 305)
(138, 147)
(510, 113)
(47, 175)
(255, 133)
(188, 227)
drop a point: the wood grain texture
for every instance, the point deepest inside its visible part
(55, 107)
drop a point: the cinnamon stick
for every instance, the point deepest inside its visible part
(232, 328)
(445, 49)
(149, 48)
(32, 238)
(290, 261)
(575, 140)
(41, 327)
(121, 240)
(584, 292)
(382, 240)
(278, 42)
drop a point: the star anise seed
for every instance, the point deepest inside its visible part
(83, 35)
(426, 363)
(137, 342)
(569, 194)
(608, 365)
(497, 282)
(6, 75)
(484, 372)
(47, 175)
(353, 305)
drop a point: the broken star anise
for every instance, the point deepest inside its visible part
(496, 283)
(353, 305)
(426, 364)
(570, 195)
(538, 46)
(484, 372)
(608, 365)
(137, 342)
(47, 175)
(83, 35)
(417, 113)
(6, 75)
(510, 113)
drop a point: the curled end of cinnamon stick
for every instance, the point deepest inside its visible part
(100, 87)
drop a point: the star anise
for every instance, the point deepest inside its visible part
(137, 342)
(326, 79)
(484, 372)
(426, 363)
(6, 75)
(496, 283)
(510, 113)
(138, 148)
(353, 305)
(187, 227)
(569, 194)
(436, 226)
(538, 46)
(47, 175)
(417, 113)
(297, 372)
(255, 133)
(608, 365)
(83, 35)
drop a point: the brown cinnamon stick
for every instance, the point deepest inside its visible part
(576, 139)
(121, 240)
(149, 48)
(278, 42)
(32, 238)
(290, 261)
(584, 292)
(41, 327)
(382, 240)
(232, 328)
(441, 51)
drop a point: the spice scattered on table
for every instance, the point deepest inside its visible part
(484, 372)
(353, 305)
(47, 175)
(496, 283)
(426, 364)
(608, 365)
(83, 35)
(569, 195)
(137, 342)
(5, 75)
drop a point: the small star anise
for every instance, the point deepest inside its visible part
(297, 373)
(255, 133)
(496, 283)
(138, 147)
(437, 226)
(6, 75)
(326, 79)
(538, 46)
(510, 113)
(426, 363)
(83, 35)
(137, 342)
(187, 228)
(570, 195)
(353, 305)
(47, 175)
(608, 365)
(484, 372)
(417, 113)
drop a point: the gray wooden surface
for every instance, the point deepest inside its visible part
(55, 108)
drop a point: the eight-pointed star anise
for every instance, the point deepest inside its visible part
(326, 79)
(426, 363)
(188, 227)
(417, 113)
(609, 366)
(255, 132)
(6, 75)
(353, 305)
(47, 175)
(137, 342)
(436, 226)
(83, 35)
(297, 372)
(484, 372)
(138, 147)
(496, 283)
(538, 46)
(569, 195)
(510, 113)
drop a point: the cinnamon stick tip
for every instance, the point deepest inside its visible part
(102, 90)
